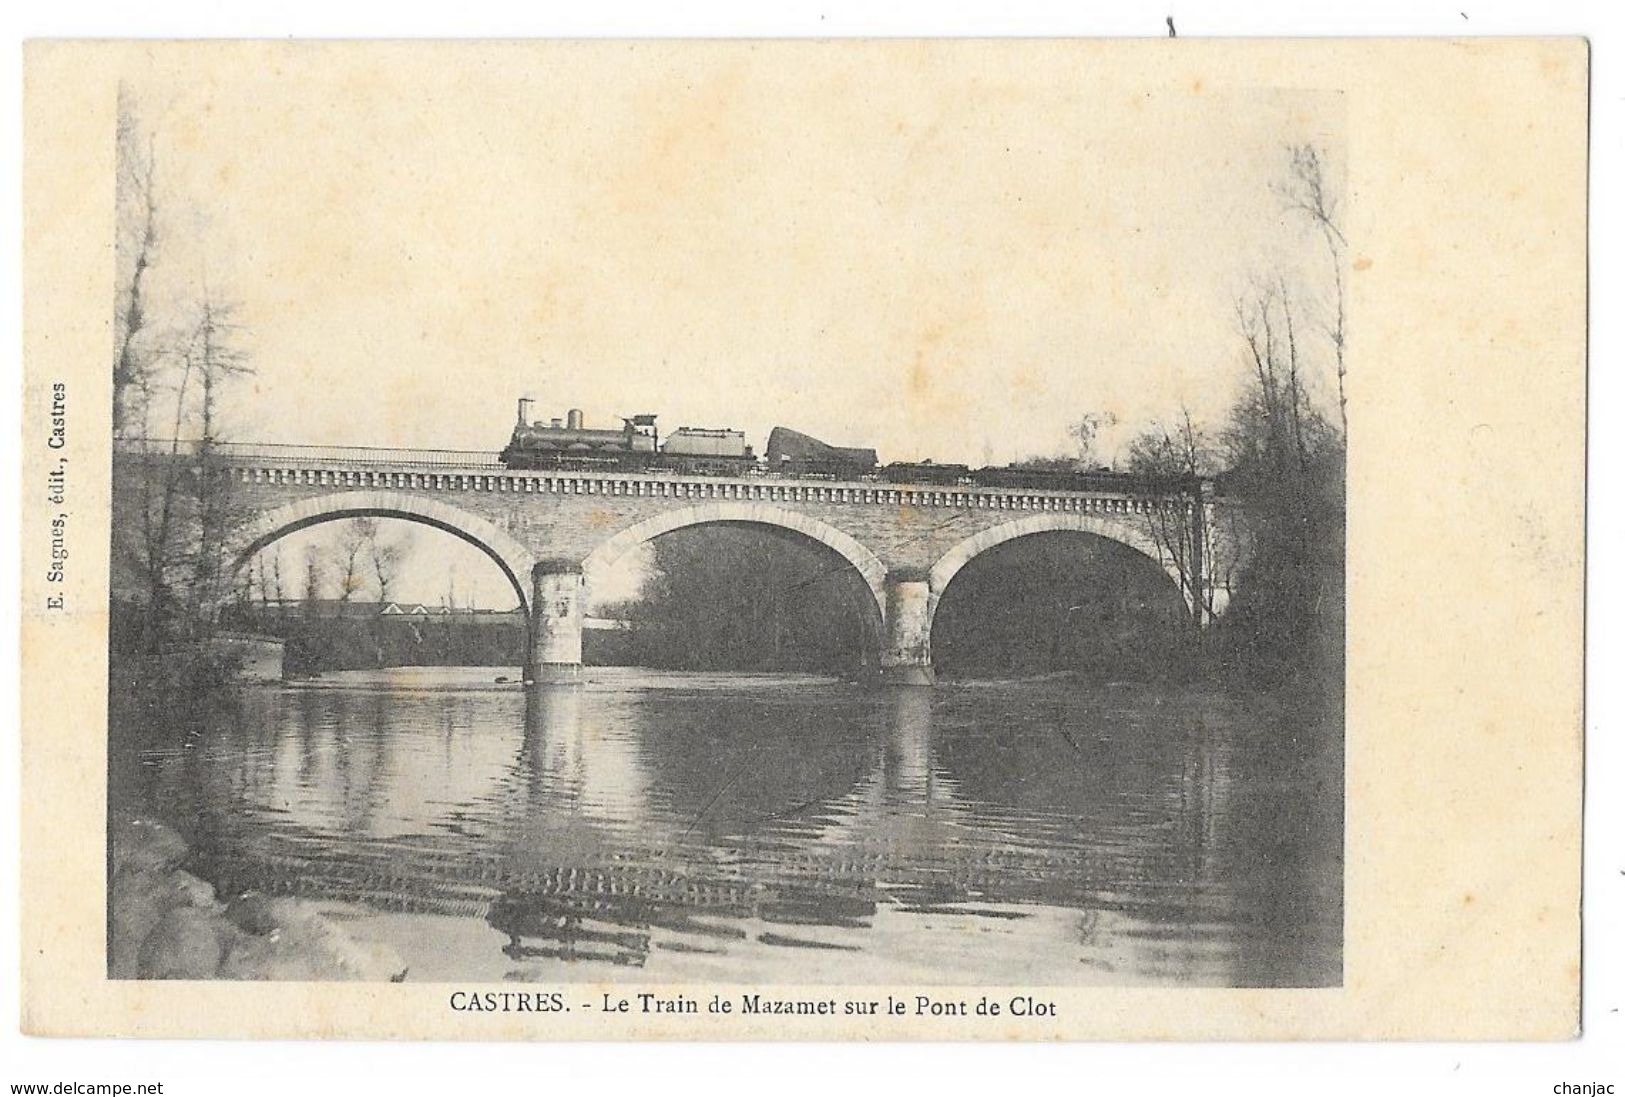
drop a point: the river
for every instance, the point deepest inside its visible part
(773, 829)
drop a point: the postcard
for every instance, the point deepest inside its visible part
(844, 539)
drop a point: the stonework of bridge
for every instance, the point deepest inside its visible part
(553, 533)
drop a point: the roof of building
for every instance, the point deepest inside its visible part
(338, 607)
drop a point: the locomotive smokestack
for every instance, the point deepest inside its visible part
(574, 419)
(524, 410)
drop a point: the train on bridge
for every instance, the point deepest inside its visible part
(636, 446)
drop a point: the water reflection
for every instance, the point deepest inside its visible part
(575, 766)
(656, 822)
(909, 776)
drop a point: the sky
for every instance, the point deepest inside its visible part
(935, 252)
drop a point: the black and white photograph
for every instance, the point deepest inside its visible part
(899, 542)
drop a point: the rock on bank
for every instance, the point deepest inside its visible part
(165, 923)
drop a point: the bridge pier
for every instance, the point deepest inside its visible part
(906, 660)
(557, 594)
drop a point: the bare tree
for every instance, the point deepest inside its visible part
(160, 552)
(1306, 192)
(315, 574)
(1179, 458)
(173, 354)
(262, 580)
(1276, 423)
(387, 554)
(183, 498)
(355, 544)
(217, 348)
(1282, 463)
(1284, 482)
(277, 587)
(245, 586)
(218, 337)
(136, 213)
(1297, 394)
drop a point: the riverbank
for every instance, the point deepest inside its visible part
(165, 923)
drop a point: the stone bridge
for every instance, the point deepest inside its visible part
(552, 532)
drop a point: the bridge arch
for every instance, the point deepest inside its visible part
(948, 565)
(514, 560)
(868, 565)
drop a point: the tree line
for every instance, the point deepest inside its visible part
(362, 563)
(743, 597)
(1278, 459)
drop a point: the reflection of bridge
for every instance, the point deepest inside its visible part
(598, 832)
(552, 532)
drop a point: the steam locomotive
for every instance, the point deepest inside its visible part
(636, 447)
(713, 451)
